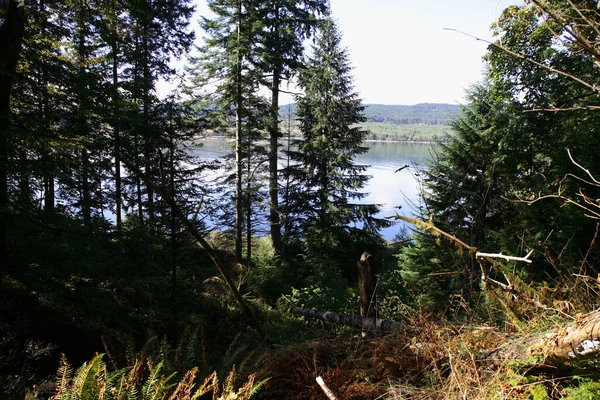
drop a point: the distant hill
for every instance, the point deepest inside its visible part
(425, 113)
(426, 122)
(418, 114)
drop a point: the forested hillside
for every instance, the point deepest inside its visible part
(419, 122)
(114, 285)
(418, 114)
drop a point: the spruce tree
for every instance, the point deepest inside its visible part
(323, 205)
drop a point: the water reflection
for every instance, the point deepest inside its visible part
(392, 166)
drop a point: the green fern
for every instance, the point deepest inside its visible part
(85, 382)
(156, 385)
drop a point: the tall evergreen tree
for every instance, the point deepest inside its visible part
(323, 205)
(158, 31)
(287, 24)
(230, 58)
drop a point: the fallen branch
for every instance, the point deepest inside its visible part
(356, 321)
(327, 391)
(580, 341)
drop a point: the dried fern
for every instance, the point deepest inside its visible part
(183, 391)
(63, 379)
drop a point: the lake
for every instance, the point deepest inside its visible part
(395, 191)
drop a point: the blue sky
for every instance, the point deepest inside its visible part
(401, 53)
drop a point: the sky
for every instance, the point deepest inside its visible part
(401, 51)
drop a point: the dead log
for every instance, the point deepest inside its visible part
(580, 341)
(356, 321)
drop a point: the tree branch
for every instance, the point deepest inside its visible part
(530, 60)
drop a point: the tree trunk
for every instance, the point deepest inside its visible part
(11, 38)
(578, 342)
(239, 196)
(117, 135)
(273, 166)
(249, 204)
(174, 230)
(86, 198)
(356, 321)
(148, 134)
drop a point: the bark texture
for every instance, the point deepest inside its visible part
(580, 341)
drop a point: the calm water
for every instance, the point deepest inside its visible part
(395, 192)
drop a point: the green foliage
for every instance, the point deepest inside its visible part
(322, 206)
(328, 291)
(587, 389)
(538, 392)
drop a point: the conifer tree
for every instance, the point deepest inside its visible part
(286, 25)
(158, 31)
(323, 206)
(229, 57)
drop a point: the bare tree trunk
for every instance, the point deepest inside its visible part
(148, 133)
(117, 136)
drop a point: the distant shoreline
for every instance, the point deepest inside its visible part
(230, 139)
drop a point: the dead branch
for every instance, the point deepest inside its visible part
(449, 273)
(326, 390)
(482, 258)
(587, 171)
(530, 60)
(504, 257)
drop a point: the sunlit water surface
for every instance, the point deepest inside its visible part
(393, 167)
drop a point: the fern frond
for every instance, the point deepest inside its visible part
(210, 383)
(156, 385)
(63, 379)
(152, 380)
(185, 386)
(256, 386)
(229, 385)
(103, 382)
(125, 389)
(85, 382)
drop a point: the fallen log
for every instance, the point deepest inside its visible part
(580, 341)
(356, 321)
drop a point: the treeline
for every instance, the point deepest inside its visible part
(426, 122)
(418, 114)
